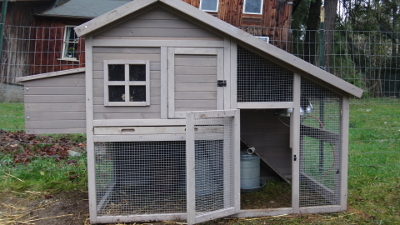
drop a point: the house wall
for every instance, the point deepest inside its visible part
(55, 105)
(274, 22)
(19, 16)
(47, 46)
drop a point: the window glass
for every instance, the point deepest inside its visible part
(116, 93)
(209, 5)
(137, 93)
(137, 72)
(70, 43)
(116, 72)
(252, 6)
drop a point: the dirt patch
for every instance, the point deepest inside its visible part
(41, 209)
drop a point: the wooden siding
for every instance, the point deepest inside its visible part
(274, 22)
(102, 112)
(47, 46)
(55, 105)
(158, 23)
(271, 138)
(195, 82)
(15, 44)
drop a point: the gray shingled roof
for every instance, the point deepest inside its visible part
(83, 8)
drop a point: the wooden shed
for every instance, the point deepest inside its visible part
(169, 91)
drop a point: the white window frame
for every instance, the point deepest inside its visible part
(126, 82)
(259, 13)
(201, 5)
(64, 55)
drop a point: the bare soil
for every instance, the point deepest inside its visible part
(40, 209)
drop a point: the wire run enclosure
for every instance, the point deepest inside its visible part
(192, 178)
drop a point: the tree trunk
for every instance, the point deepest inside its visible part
(312, 26)
(330, 19)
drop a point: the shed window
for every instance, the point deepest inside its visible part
(70, 44)
(126, 83)
(209, 5)
(253, 6)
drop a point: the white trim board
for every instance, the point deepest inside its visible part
(51, 74)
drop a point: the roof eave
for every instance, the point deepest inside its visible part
(64, 16)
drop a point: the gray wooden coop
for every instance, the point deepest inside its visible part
(159, 100)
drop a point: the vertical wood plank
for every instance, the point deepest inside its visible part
(236, 159)
(164, 82)
(345, 151)
(227, 72)
(148, 83)
(220, 76)
(89, 130)
(295, 130)
(105, 71)
(233, 75)
(171, 82)
(190, 170)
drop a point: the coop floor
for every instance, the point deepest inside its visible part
(275, 194)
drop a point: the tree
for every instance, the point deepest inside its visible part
(330, 23)
(312, 25)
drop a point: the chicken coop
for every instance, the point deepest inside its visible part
(168, 98)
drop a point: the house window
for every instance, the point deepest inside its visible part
(70, 44)
(253, 6)
(209, 5)
(126, 83)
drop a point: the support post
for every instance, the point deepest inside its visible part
(2, 22)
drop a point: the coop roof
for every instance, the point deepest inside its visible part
(273, 53)
(88, 9)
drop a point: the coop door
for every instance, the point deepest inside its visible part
(193, 74)
(212, 162)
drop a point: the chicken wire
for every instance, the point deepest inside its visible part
(214, 177)
(135, 178)
(320, 146)
(260, 80)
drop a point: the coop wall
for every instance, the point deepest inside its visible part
(160, 29)
(55, 105)
(263, 130)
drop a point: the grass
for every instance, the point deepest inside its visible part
(43, 175)
(12, 116)
(374, 169)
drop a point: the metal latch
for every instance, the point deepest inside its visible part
(221, 83)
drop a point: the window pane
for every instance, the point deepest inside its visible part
(137, 93)
(116, 93)
(137, 72)
(252, 6)
(70, 50)
(209, 5)
(71, 35)
(116, 72)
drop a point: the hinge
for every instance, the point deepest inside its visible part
(221, 83)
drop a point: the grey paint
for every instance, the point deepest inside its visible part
(83, 8)
(55, 105)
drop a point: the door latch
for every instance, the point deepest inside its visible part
(221, 83)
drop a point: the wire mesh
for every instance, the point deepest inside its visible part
(29, 50)
(135, 178)
(214, 178)
(260, 80)
(320, 146)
